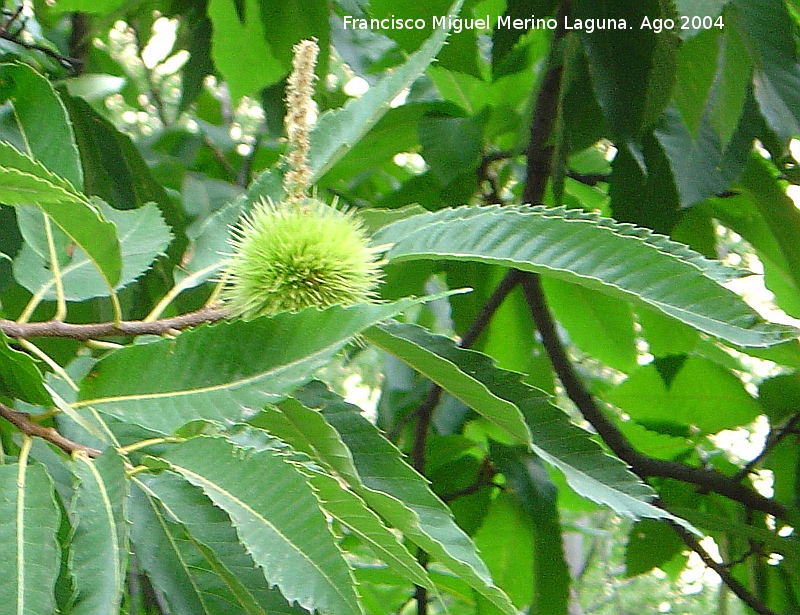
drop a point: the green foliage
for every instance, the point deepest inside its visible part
(160, 454)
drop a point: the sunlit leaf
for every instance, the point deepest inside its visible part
(621, 260)
(223, 372)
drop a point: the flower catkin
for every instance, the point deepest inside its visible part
(287, 258)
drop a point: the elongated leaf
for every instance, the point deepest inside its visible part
(351, 511)
(401, 495)
(19, 376)
(618, 259)
(116, 172)
(76, 216)
(229, 571)
(699, 393)
(277, 518)
(248, 67)
(11, 157)
(143, 236)
(177, 566)
(509, 555)
(99, 546)
(29, 521)
(437, 358)
(495, 394)
(767, 30)
(632, 69)
(226, 371)
(338, 130)
(307, 431)
(538, 496)
(783, 220)
(43, 121)
(597, 324)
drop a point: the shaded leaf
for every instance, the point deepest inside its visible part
(701, 393)
(76, 216)
(696, 76)
(761, 184)
(143, 237)
(768, 33)
(632, 69)
(401, 496)
(621, 260)
(249, 67)
(29, 521)
(538, 497)
(587, 468)
(43, 120)
(19, 376)
(277, 518)
(651, 543)
(226, 371)
(508, 554)
(228, 569)
(597, 324)
(116, 172)
(99, 542)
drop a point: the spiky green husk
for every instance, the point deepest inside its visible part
(287, 258)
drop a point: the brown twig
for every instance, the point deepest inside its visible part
(545, 112)
(23, 422)
(773, 439)
(643, 465)
(725, 574)
(485, 478)
(65, 61)
(54, 328)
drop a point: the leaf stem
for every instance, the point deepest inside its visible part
(41, 354)
(125, 450)
(61, 302)
(31, 306)
(178, 289)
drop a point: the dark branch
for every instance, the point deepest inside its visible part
(424, 417)
(774, 438)
(545, 112)
(65, 61)
(485, 478)
(55, 328)
(24, 423)
(725, 574)
(643, 465)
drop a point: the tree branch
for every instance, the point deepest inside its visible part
(774, 438)
(545, 112)
(737, 588)
(643, 465)
(23, 422)
(65, 61)
(54, 328)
